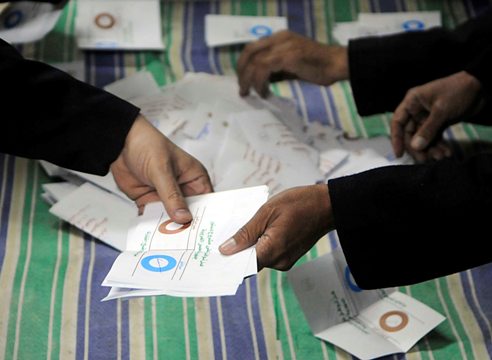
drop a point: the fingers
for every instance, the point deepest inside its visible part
(170, 194)
(429, 129)
(247, 236)
(398, 122)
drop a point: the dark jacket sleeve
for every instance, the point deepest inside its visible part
(400, 225)
(383, 68)
(47, 114)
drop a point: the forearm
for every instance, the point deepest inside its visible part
(382, 69)
(50, 115)
(406, 224)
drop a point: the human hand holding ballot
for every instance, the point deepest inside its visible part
(165, 258)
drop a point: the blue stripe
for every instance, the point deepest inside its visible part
(295, 13)
(199, 49)
(334, 112)
(105, 63)
(214, 317)
(260, 335)
(481, 278)
(239, 339)
(186, 37)
(387, 5)
(103, 322)
(315, 105)
(7, 180)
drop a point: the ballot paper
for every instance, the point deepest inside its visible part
(375, 24)
(223, 30)
(163, 257)
(119, 24)
(22, 22)
(383, 321)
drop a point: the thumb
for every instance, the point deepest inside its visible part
(428, 130)
(170, 193)
(247, 236)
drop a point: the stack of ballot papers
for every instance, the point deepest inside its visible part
(165, 258)
(382, 321)
(119, 25)
(375, 24)
(242, 142)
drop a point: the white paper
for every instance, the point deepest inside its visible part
(22, 22)
(382, 321)
(167, 258)
(115, 24)
(231, 29)
(142, 83)
(376, 24)
(98, 213)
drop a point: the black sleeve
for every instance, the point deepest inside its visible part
(382, 69)
(400, 225)
(49, 115)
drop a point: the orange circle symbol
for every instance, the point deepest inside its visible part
(383, 321)
(164, 230)
(105, 20)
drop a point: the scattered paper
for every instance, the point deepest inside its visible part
(375, 24)
(115, 24)
(230, 29)
(163, 257)
(382, 321)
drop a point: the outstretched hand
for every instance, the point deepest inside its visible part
(426, 111)
(152, 168)
(285, 227)
(291, 53)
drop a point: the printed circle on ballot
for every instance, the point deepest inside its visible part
(13, 19)
(261, 30)
(158, 263)
(393, 321)
(170, 227)
(104, 20)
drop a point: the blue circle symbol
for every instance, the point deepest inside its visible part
(155, 266)
(261, 30)
(13, 19)
(350, 282)
(413, 25)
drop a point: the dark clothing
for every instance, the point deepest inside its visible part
(400, 225)
(49, 115)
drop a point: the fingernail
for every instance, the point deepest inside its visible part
(419, 143)
(228, 245)
(182, 213)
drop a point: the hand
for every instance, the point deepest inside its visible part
(152, 168)
(285, 227)
(290, 53)
(420, 119)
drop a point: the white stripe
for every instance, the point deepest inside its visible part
(26, 264)
(307, 18)
(285, 316)
(221, 328)
(251, 319)
(54, 286)
(4, 183)
(189, 36)
(450, 321)
(88, 285)
(186, 328)
(301, 101)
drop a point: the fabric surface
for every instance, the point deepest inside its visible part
(51, 273)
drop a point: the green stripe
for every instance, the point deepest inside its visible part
(342, 11)
(149, 339)
(58, 308)
(351, 105)
(170, 328)
(248, 7)
(328, 19)
(21, 260)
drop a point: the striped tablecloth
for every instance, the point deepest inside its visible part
(51, 273)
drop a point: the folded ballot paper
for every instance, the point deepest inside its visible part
(165, 258)
(383, 321)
